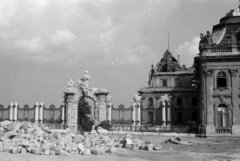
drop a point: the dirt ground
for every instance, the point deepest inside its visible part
(206, 149)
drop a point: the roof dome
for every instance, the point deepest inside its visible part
(168, 63)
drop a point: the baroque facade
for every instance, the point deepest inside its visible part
(170, 99)
(207, 94)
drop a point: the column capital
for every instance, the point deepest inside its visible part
(166, 98)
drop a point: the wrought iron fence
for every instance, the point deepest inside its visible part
(4, 113)
(122, 115)
(26, 114)
(52, 115)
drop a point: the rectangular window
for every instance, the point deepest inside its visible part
(164, 83)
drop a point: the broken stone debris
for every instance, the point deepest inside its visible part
(27, 137)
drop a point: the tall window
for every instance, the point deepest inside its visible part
(150, 117)
(150, 102)
(221, 79)
(195, 117)
(194, 101)
(179, 117)
(222, 116)
(164, 83)
(179, 101)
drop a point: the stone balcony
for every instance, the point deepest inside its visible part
(220, 51)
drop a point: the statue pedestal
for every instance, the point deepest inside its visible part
(236, 130)
(210, 130)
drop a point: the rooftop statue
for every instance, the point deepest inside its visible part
(236, 12)
(201, 42)
(137, 98)
(208, 39)
(152, 71)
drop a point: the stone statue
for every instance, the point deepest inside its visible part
(152, 71)
(86, 79)
(208, 39)
(70, 86)
(70, 83)
(84, 82)
(137, 98)
(236, 12)
(201, 42)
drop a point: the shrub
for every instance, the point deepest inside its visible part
(83, 115)
(104, 124)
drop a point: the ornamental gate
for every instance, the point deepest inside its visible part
(122, 115)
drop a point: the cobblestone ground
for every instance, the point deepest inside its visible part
(206, 149)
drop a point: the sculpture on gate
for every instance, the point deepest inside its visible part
(84, 83)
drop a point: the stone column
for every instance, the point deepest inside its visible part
(15, 111)
(169, 113)
(63, 114)
(11, 112)
(164, 112)
(41, 113)
(36, 112)
(110, 111)
(133, 113)
(139, 113)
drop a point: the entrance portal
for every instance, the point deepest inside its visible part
(94, 97)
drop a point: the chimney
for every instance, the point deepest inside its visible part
(178, 57)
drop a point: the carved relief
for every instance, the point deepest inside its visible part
(208, 72)
(222, 99)
(235, 72)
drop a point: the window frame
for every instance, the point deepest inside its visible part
(223, 77)
(166, 82)
(179, 98)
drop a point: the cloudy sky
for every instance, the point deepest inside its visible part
(45, 43)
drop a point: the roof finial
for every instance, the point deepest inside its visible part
(168, 40)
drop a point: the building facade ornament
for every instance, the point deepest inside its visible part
(208, 72)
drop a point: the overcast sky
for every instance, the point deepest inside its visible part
(45, 43)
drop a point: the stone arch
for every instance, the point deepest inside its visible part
(78, 90)
(94, 104)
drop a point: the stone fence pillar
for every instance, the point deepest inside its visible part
(134, 113)
(63, 114)
(109, 99)
(110, 112)
(15, 111)
(41, 113)
(164, 112)
(11, 112)
(137, 104)
(139, 112)
(36, 112)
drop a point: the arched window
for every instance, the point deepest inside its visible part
(179, 101)
(222, 79)
(194, 101)
(179, 117)
(150, 102)
(222, 116)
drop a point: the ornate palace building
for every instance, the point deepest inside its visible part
(206, 95)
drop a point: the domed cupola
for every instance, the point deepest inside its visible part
(168, 63)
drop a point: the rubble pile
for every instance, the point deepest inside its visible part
(26, 137)
(178, 141)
